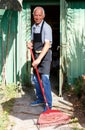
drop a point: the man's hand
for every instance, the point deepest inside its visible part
(36, 62)
(29, 45)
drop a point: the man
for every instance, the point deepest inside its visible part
(41, 42)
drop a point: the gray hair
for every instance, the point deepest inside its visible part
(38, 7)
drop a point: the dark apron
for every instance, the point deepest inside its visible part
(44, 66)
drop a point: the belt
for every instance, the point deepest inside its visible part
(38, 52)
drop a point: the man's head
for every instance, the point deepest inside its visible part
(38, 14)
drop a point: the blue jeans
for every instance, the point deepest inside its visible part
(47, 89)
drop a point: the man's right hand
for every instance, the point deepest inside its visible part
(29, 45)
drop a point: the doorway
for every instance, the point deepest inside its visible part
(52, 13)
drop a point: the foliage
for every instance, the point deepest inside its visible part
(78, 84)
(8, 94)
(76, 88)
(66, 85)
(4, 120)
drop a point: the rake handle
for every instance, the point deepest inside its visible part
(40, 82)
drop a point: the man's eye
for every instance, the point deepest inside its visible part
(37, 15)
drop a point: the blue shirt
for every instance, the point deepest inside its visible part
(46, 32)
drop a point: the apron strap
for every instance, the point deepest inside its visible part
(42, 27)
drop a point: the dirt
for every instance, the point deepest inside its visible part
(78, 105)
(78, 100)
(24, 117)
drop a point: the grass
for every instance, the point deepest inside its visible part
(7, 98)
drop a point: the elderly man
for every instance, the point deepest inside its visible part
(41, 41)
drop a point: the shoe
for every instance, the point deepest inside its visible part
(37, 103)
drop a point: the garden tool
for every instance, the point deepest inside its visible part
(50, 116)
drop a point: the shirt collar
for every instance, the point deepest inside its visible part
(39, 25)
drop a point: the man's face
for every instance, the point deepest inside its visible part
(38, 16)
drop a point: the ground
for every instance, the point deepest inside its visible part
(76, 97)
(78, 105)
(24, 117)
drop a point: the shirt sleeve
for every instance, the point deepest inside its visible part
(48, 33)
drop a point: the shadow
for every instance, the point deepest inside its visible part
(54, 79)
(22, 110)
(22, 113)
(22, 105)
(25, 76)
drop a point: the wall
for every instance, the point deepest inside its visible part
(75, 39)
(14, 56)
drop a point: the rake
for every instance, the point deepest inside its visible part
(49, 117)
